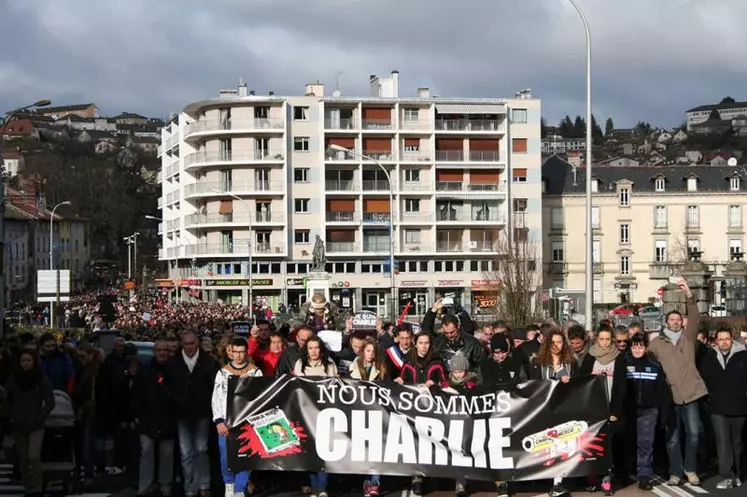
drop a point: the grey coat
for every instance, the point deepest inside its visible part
(29, 409)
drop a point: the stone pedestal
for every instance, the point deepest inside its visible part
(735, 282)
(318, 282)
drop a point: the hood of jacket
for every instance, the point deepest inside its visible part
(736, 348)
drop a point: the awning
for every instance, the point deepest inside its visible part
(471, 108)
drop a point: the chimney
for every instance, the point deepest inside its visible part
(242, 88)
(314, 90)
(424, 92)
(251, 93)
(372, 77)
(574, 159)
(272, 93)
(395, 83)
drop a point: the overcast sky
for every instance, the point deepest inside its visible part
(652, 59)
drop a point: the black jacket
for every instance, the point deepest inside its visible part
(193, 391)
(394, 359)
(726, 380)
(538, 372)
(619, 383)
(646, 386)
(470, 347)
(465, 322)
(287, 360)
(417, 374)
(152, 404)
(111, 392)
(493, 375)
(526, 353)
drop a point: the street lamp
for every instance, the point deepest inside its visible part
(248, 246)
(391, 217)
(589, 269)
(51, 258)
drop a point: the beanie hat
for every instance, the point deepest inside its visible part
(459, 363)
(499, 343)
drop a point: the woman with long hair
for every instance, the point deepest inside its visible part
(554, 362)
(315, 361)
(369, 365)
(30, 401)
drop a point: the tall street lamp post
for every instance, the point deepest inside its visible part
(339, 148)
(51, 260)
(589, 269)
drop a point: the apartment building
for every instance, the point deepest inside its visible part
(647, 220)
(263, 175)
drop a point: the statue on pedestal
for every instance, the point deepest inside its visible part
(318, 256)
(320, 314)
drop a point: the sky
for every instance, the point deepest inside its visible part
(652, 59)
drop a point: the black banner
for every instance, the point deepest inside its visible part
(540, 430)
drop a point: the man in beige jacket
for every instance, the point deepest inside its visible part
(674, 347)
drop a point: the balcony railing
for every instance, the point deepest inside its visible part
(333, 247)
(419, 156)
(558, 268)
(414, 125)
(217, 188)
(343, 124)
(234, 125)
(660, 271)
(160, 202)
(485, 156)
(377, 124)
(482, 246)
(468, 125)
(235, 247)
(339, 185)
(492, 215)
(343, 217)
(377, 246)
(376, 217)
(417, 217)
(449, 247)
(380, 155)
(235, 217)
(375, 186)
(461, 186)
(234, 156)
(340, 155)
(449, 155)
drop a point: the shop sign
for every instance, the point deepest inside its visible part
(129, 285)
(164, 283)
(364, 320)
(451, 283)
(484, 283)
(486, 300)
(191, 282)
(341, 284)
(296, 281)
(240, 282)
(413, 284)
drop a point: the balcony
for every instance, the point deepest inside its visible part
(160, 228)
(660, 271)
(485, 156)
(339, 185)
(172, 197)
(234, 248)
(376, 217)
(491, 216)
(449, 247)
(341, 124)
(233, 188)
(160, 202)
(343, 217)
(462, 186)
(377, 124)
(520, 219)
(376, 186)
(414, 125)
(419, 156)
(558, 268)
(340, 156)
(598, 268)
(482, 125)
(223, 157)
(417, 217)
(379, 155)
(244, 218)
(449, 156)
(235, 125)
(482, 246)
(377, 246)
(341, 247)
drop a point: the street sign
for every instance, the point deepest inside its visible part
(660, 292)
(53, 283)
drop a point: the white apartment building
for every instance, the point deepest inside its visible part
(267, 174)
(726, 111)
(646, 220)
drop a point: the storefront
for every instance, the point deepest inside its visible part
(236, 291)
(453, 289)
(342, 294)
(484, 297)
(295, 293)
(375, 300)
(415, 293)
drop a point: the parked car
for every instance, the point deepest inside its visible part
(624, 310)
(144, 351)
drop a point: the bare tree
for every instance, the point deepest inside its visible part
(517, 278)
(681, 251)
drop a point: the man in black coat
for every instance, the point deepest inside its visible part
(155, 416)
(190, 375)
(502, 370)
(292, 353)
(453, 340)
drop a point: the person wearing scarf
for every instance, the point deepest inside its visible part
(236, 483)
(605, 359)
(30, 399)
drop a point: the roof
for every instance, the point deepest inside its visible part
(735, 105)
(66, 108)
(130, 115)
(558, 177)
(18, 127)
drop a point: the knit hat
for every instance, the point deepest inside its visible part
(499, 343)
(459, 363)
(518, 334)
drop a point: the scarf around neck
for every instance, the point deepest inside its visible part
(191, 361)
(604, 356)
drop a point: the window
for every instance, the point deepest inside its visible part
(596, 252)
(557, 251)
(735, 247)
(520, 204)
(624, 197)
(693, 246)
(412, 205)
(411, 115)
(300, 113)
(660, 216)
(624, 234)
(557, 218)
(625, 265)
(595, 185)
(660, 251)
(300, 144)
(734, 183)
(301, 205)
(519, 145)
(693, 216)
(692, 184)
(412, 236)
(519, 116)
(301, 175)
(519, 175)
(595, 218)
(735, 216)
(301, 236)
(412, 175)
(660, 184)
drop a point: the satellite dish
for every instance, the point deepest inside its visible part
(336, 93)
(732, 162)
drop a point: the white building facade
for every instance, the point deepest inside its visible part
(265, 175)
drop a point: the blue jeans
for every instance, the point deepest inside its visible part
(687, 416)
(193, 447)
(148, 463)
(318, 482)
(91, 446)
(240, 480)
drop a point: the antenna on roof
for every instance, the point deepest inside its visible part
(732, 162)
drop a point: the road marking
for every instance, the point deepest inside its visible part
(658, 490)
(696, 489)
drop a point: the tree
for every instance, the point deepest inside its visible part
(727, 100)
(596, 131)
(566, 127)
(579, 127)
(642, 129)
(518, 278)
(609, 127)
(543, 128)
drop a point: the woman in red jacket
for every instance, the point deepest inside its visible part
(267, 359)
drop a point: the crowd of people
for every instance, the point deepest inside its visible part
(678, 385)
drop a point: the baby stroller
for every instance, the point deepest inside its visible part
(58, 447)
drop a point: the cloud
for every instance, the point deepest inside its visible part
(651, 59)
